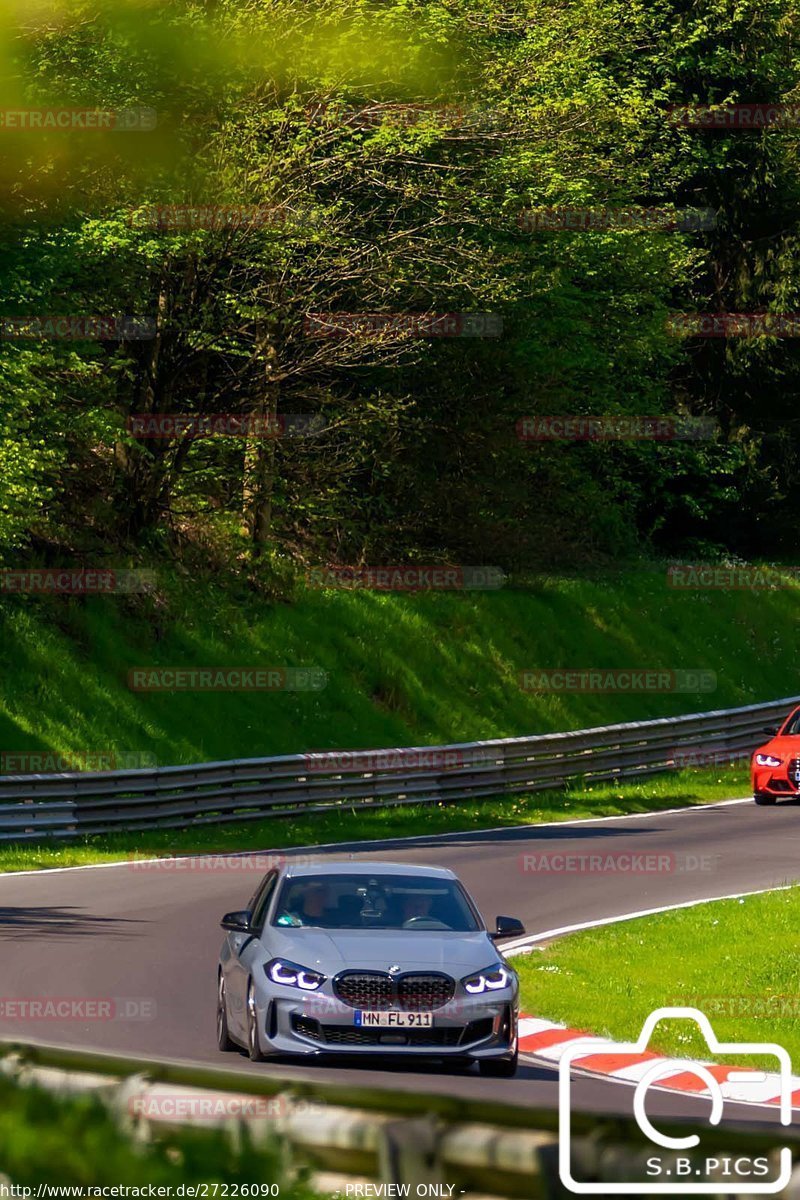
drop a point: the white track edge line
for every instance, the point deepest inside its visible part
(376, 843)
(521, 946)
(582, 1073)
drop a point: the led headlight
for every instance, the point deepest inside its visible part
(281, 970)
(767, 760)
(490, 980)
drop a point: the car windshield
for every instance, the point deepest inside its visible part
(793, 728)
(375, 902)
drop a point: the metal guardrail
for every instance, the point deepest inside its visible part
(33, 807)
(343, 1131)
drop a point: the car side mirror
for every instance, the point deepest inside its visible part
(507, 927)
(768, 729)
(237, 922)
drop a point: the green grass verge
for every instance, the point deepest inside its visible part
(735, 960)
(54, 1140)
(403, 668)
(670, 790)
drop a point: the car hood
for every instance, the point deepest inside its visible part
(781, 747)
(333, 950)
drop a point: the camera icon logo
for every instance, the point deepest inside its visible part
(674, 1172)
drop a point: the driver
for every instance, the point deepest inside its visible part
(314, 905)
(416, 905)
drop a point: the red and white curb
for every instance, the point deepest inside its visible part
(547, 1040)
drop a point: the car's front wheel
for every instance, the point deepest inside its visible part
(253, 1040)
(224, 1041)
(499, 1068)
(764, 798)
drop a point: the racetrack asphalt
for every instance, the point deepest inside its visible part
(151, 933)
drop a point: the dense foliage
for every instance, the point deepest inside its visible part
(376, 158)
(62, 1141)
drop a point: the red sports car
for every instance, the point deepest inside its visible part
(775, 766)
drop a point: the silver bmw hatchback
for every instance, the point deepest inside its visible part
(346, 958)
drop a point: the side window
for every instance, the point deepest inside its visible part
(262, 901)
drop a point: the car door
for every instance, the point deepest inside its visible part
(236, 969)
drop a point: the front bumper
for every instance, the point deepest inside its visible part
(778, 781)
(471, 1027)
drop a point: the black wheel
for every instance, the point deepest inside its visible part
(253, 1040)
(224, 1041)
(499, 1068)
(764, 798)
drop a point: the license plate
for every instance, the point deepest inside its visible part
(394, 1020)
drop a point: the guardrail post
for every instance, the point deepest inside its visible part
(408, 1153)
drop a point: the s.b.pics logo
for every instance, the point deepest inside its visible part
(690, 1164)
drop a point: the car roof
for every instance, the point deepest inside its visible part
(345, 867)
